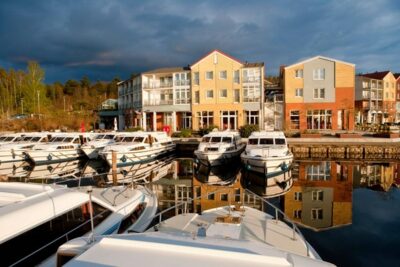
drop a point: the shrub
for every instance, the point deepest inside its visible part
(206, 130)
(134, 129)
(247, 129)
(183, 133)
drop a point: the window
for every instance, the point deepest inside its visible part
(317, 195)
(182, 96)
(316, 214)
(196, 79)
(298, 196)
(237, 95)
(251, 93)
(297, 214)
(237, 195)
(299, 92)
(223, 93)
(209, 75)
(266, 141)
(224, 197)
(316, 92)
(319, 119)
(387, 84)
(294, 119)
(280, 141)
(319, 93)
(211, 196)
(186, 120)
(206, 118)
(228, 120)
(196, 97)
(210, 93)
(236, 76)
(197, 190)
(299, 73)
(132, 218)
(319, 172)
(252, 117)
(319, 74)
(222, 75)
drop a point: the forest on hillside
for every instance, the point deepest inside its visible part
(49, 106)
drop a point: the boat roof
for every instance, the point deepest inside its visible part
(267, 134)
(171, 250)
(222, 133)
(24, 206)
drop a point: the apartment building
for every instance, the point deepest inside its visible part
(375, 100)
(226, 92)
(156, 99)
(397, 76)
(319, 95)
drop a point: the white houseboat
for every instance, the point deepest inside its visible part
(139, 147)
(218, 147)
(267, 153)
(225, 236)
(97, 144)
(9, 138)
(36, 219)
(61, 147)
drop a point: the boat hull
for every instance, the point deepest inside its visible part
(217, 158)
(39, 157)
(269, 166)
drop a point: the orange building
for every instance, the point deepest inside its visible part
(319, 95)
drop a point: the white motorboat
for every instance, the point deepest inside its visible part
(267, 153)
(218, 147)
(139, 147)
(36, 219)
(13, 152)
(97, 144)
(225, 236)
(61, 147)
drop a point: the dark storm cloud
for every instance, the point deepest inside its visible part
(103, 39)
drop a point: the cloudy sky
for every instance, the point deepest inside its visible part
(104, 39)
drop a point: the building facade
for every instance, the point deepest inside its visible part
(397, 76)
(319, 95)
(226, 93)
(375, 97)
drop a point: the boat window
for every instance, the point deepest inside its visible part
(45, 233)
(206, 139)
(9, 139)
(253, 141)
(35, 139)
(25, 139)
(266, 141)
(215, 139)
(2, 138)
(69, 139)
(99, 137)
(227, 140)
(57, 139)
(128, 139)
(109, 137)
(280, 141)
(139, 139)
(132, 218)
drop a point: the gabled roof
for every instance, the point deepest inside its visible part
(378, 75)
(167, 70)
(397, 75)
(253, 64)
(218, 51)
(320, 57)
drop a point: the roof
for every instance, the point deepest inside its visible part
(223, 133)
(379, 75)
(218, 51)
(397, 75)
(167, 70)
(253, 64)
(267, 134)
(320, 57)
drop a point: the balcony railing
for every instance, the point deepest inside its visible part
(182, 82)
(251, 99)
(182, 101)
(251, 79)
(157, 85)
(158, 102)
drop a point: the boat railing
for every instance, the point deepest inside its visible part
(64, 236)
(278, 212)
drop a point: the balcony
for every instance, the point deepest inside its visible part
(251, 99)
(182, 101)
(251, 79)
(157, 85)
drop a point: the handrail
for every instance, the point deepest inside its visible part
(279, 211)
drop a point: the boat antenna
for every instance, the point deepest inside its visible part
(89, 191)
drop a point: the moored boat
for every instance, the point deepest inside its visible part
(97, 144)
(218, 147)
(267, 152)
(138, 147)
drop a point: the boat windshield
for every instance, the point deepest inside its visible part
(68, 140)
(280, 141)
(227, 140)
(127, 139)
(109, 136)
(139, 139)
(99, 137)
(57, 139)
(266, 141)
(216, 139)
(206, 139)
(253, 141)
(24, 139)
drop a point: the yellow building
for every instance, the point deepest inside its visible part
(226, 92)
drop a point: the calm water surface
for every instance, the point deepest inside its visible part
(348, 211)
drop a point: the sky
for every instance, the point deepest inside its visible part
(104, 39)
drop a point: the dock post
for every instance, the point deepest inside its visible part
(114, 167)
